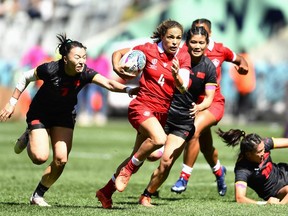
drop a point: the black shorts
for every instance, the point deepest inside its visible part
(186, 131)
(282, 181)
(39, 120)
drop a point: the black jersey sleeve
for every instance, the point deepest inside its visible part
(210, 72)
(268, 143)
(41, 71)
(241, 174)
(47, 70)
(89, 74)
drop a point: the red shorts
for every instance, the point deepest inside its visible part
(217, 107)
(139, 112)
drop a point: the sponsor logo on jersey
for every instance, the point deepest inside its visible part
(153, 65)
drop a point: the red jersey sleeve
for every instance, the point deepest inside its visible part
(184, 58)
(228, 54)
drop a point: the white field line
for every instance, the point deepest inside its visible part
(88, 155)
(107, 156)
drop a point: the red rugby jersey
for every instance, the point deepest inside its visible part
(157, 83)
(218, 53)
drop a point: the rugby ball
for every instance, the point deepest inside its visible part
(134, 61)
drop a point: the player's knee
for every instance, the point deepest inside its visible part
(60, 162)
(38, 155)
(39, 159)
(160, 141)
(193, 139)
(155, 155)
(165, 164)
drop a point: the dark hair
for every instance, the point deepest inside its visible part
(66, 44)
(163, 27)
(201, 21)
(248, 143)
(197, 31)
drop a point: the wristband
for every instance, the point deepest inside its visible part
(261, 202)
(13, 101)
(127, 89)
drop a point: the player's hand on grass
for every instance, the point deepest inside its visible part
(273, 200)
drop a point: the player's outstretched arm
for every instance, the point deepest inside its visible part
(240, 194)
(23, 82)
(111, 85)
(9, 108)
(242, 64)
(280, 142)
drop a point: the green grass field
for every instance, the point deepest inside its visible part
(96, 153)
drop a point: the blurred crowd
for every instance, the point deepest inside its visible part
(28, 28)
(40, 9)
(27, 32)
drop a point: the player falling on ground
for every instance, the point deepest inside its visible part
(254, 167)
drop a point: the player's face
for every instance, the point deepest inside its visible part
(257, 156)
(76, 60)
(197, 45)
(171, 40)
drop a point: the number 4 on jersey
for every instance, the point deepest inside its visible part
(161, 80)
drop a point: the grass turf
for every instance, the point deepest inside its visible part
(96, 153)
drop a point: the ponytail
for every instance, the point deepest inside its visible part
(231, 137)
(67, 44)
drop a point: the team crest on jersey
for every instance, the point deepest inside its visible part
(216, 62)
(154, 64)
(146, 113)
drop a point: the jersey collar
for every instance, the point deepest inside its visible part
(211, 44)
(161, 49)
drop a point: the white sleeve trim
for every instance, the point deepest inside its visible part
(185, 76)
(234, 56)
(25, 79)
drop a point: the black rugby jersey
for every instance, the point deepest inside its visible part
(58, 93)
(202, 73)
(267, 178)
